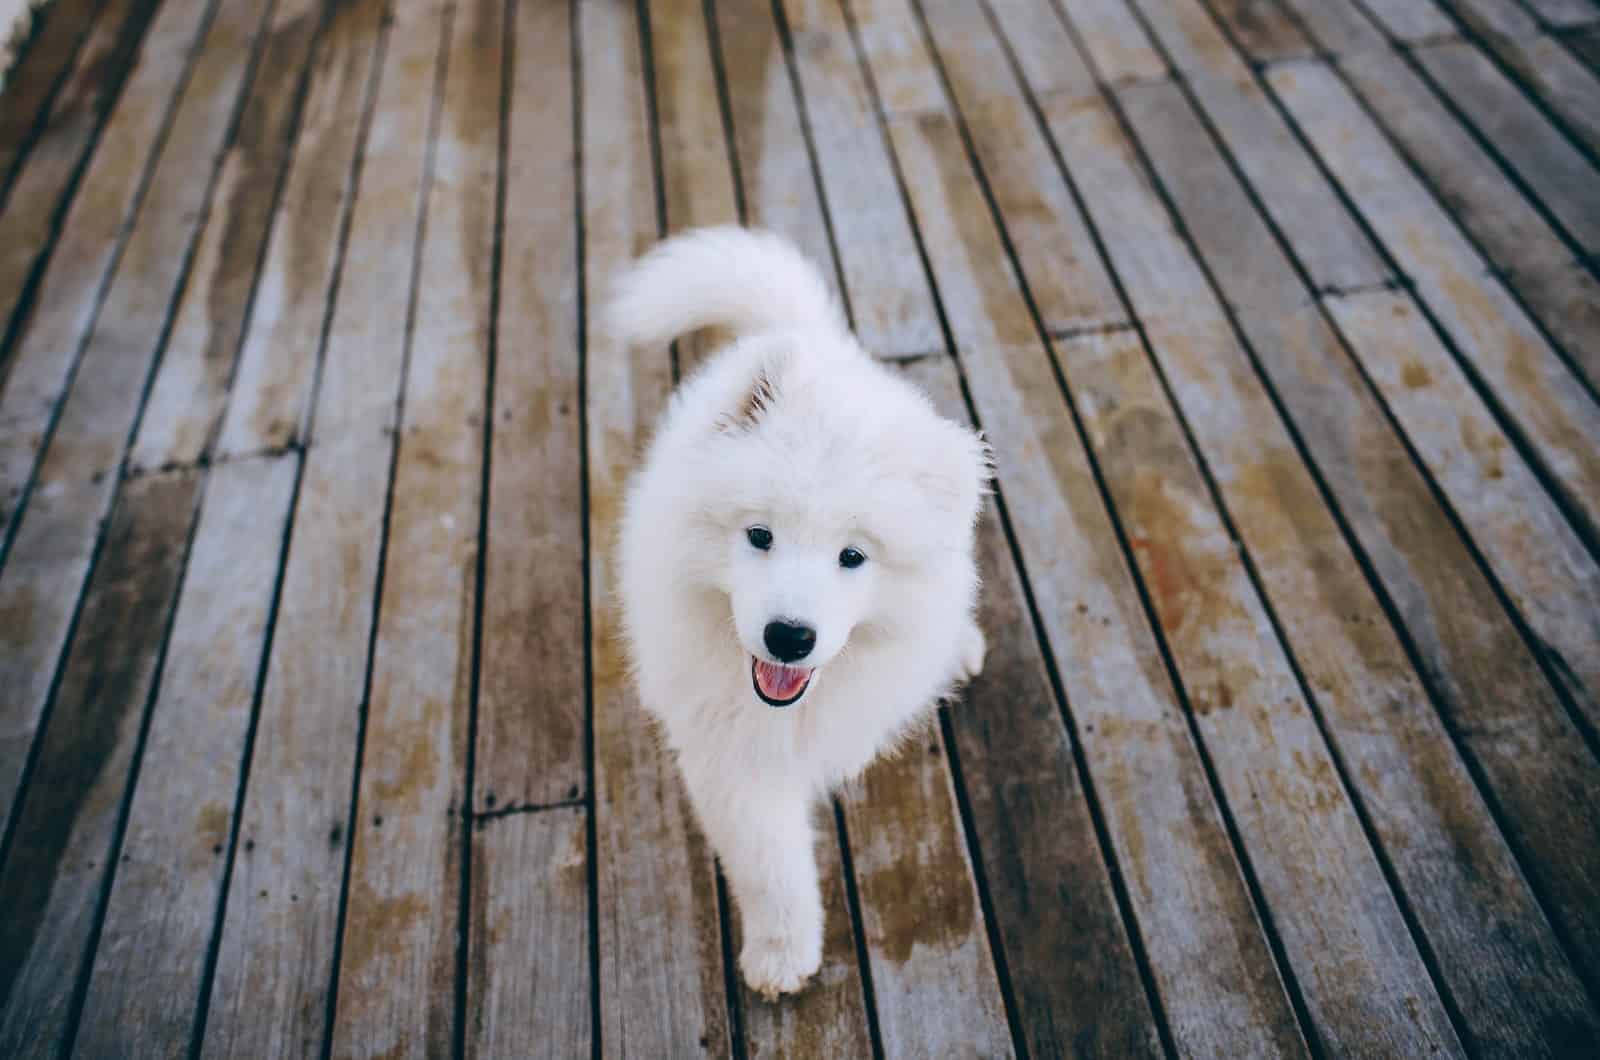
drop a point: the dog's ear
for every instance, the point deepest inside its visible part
(755, 401)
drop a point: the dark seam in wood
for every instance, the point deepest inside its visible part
(852, 897)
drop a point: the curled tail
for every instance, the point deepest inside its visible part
(741, 279)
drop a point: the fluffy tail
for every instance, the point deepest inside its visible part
(741, 279)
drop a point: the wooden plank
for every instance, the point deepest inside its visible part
(1262, 29)
(1562, 14)
(933, 977)
(1567, 299)
(63, 837)
(397, 973)
(275, 960)
(145, 985)
(531, 696)
(828, 1018)
(1070, 285)
(1528, 380)
(1555, 171)
(1211, 965)
(1488, 205)
(1338, 254)
(1585, 44)
(33, 83)
(1338, 28)
(42, 191)
(528, 961)
(661, 979)
(1047, 56)
(191, 384)
(36, 616)
(1114, 40)
(1559, 78)
(1411, 20)
(1075, 981)
(63, 308)
(878, 256)
(896, 58)
(1471, 655)
(1548, 574)
(276, 369)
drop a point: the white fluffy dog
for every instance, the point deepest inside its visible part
(797, 573)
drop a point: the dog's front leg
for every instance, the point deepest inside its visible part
(763, 838)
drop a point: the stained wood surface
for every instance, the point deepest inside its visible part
(316, 735)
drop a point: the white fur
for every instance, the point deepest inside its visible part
(838, 451)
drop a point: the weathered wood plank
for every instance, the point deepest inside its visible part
(528, 959)
(36, 79)
(1547, 161)
(1567, 299)
(661, 978)
(271, 395)
(1262, 29)
(1211, 965)
(191, 384)
(531, 696)
(1337, 253)
(883, 274)
(829, 1018)
(1478, 667)
(1585, 43)
(397, 971)
(1341, 28)
(1412, 20)
(145, 987)
(44, 350)
(933, 976)
(1548, 574)
(1074, 978)
(1070, 285)
(275, 962)
(1527, 379)
(1562, 14)
(42, 190)
(1047, 56)
(63, 837)
(1114, 40)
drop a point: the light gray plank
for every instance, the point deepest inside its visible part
(528, 954)
(145, 987)
(1114, 40)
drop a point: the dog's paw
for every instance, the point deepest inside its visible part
(774, 965)
(973, 650)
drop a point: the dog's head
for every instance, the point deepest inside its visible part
(840, 502)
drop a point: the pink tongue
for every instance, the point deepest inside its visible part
(780, 682)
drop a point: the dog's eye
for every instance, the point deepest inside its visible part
(851, 558)
(759, 537)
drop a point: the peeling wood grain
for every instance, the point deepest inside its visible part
(275, 963)
(892, 310)
(1074, 978)
(1493, 334)
(528, 966)
(1552, 167)
(63, 836)
(662, 985)
(270, 400)
(1211, 964)
(145, 985)
(1469, 650)
(42, 190)
(531, 713)
(191, 384)
(44, 349)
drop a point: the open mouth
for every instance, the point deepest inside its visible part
(779, 686)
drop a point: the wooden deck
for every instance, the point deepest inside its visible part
(1282, 316)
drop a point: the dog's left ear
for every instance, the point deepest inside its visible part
(756, 399)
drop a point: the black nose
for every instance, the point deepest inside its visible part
(790, 641)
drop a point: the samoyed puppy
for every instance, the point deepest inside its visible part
(797, 576)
